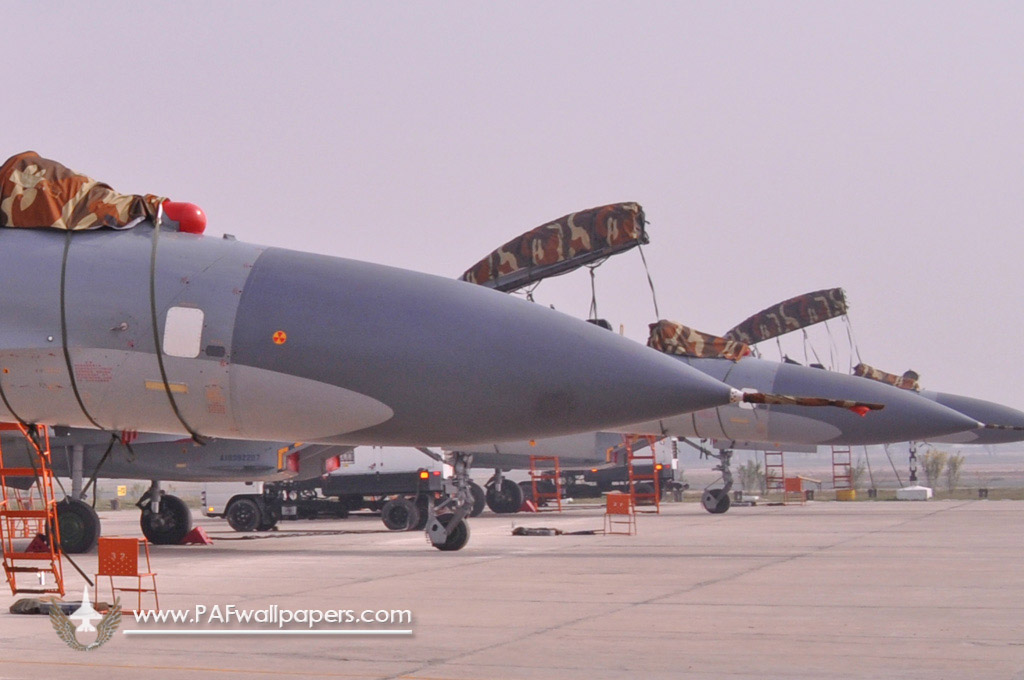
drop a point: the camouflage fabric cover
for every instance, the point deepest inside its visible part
(908, 381)
(37, 192)
(675, 338)
(561, 246)
(793, 314)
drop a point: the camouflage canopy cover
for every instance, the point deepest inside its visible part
(561, 246)
(37, 192)
(908, 381)
(674, 338)
(793, 314)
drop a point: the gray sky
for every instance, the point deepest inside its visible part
(777, 148)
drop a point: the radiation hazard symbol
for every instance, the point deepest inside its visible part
(280, 337)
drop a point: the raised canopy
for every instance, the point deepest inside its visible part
(793, 314)
(561, 246)
(675, 338)
(908, 381)
(37, 192)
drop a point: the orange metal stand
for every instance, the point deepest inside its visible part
(620, 511)
(793, 491)
(119, 558)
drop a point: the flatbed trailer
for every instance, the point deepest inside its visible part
(593, 481)
(397, 483)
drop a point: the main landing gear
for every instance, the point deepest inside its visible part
(503, 495)
(79, 526)
(166, 520)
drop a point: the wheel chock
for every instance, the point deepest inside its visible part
(39, 544)
(528, 506)
(197, 536)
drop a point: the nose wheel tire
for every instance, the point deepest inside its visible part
(170, 525)
(715, 501)
(457, 538)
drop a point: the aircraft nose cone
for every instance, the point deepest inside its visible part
(986, 412)
(907, 416)
(455, 363)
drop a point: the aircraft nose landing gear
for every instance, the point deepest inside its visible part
(716, 501)
(447, 528)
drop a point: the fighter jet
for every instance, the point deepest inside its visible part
(156, 330)
(995, 423)
(149, 326)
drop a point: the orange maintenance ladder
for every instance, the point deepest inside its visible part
(774, 472)
(652, 497)
(842, 466)
(553, 476)
(19, 561)
(28, 500)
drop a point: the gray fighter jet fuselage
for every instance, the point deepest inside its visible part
(276, 345)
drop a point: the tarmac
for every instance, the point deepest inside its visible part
(823, 590)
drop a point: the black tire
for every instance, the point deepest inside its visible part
(459, 537)
(715, 502)
(243, 514)
(507, 499)
(527, 489)
(647, 489)
(422, 501)
(479, 499)
(400, 514)
(79, 526)
(171, 525)
(269, 518)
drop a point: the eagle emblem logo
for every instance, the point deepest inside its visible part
(85, 614)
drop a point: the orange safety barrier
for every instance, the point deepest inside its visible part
(119, 558)
(620, 511)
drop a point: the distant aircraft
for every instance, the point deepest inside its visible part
(581, 238)
(995, 423)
